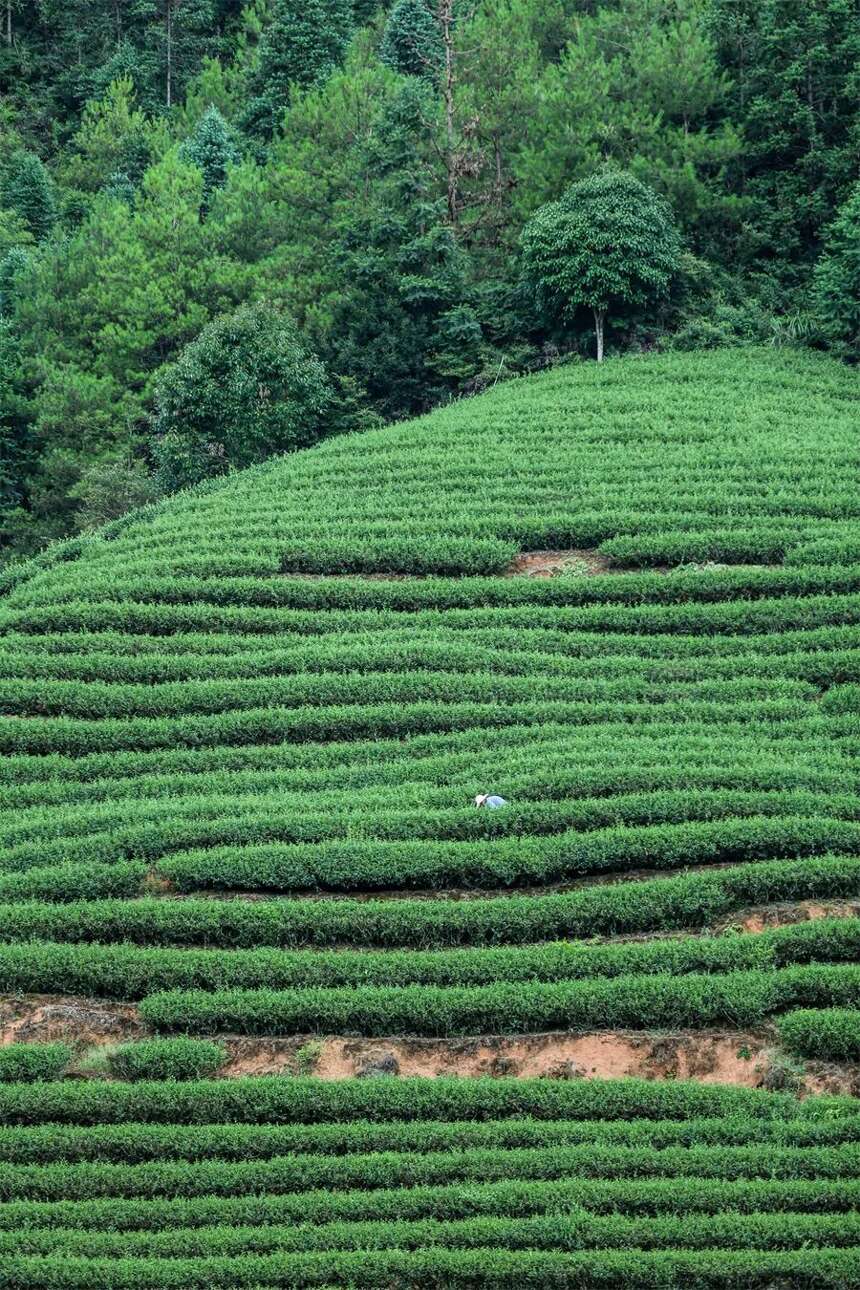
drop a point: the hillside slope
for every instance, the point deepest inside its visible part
(735, 455)
(238, 803)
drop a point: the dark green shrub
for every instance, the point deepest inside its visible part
(246, 388)
(26, 1062)
(169, 1059)
(832, 1034)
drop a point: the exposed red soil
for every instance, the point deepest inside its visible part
(82, 1022)
(749, 1059)
(766, 916)
(588, 561)
(549, 564)
(709, 1056)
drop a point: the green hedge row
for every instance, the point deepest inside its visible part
(168, 1059)
(825, 551)
(660, 1001)
(643, 1197)
(841, 699)
(150, 829)
(685, 900)
(366, 756)
(297, 1173)
(135, 1143)
(562, 1232)
(384, 720)
(761, 545)
(334, 689)
(129, 972)
(33, 1061)
(275, 725)
(226, 852)
(368, 865)
(140, 585)
(428, 812)
(811, 1269)
(407, 651)
(829, 1033)
(544, 774)
(290, 1100)
(742, 617)
(530, 637)
(73, 882)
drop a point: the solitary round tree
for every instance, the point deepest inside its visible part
(246, 388)
(610, 242)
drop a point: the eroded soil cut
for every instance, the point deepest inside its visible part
(746, 1058)
(82, 1022)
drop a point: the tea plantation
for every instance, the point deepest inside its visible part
(242, 732)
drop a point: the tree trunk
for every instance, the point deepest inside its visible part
(168, 22)
(445, 18)
(8, 22)
(599, 318)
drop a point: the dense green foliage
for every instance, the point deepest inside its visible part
(33, 1061)
(368, 172)
(608, 244)
(837, 280)
(831, 1033)
(202, 1183)
(172, 1059)
(245, 389)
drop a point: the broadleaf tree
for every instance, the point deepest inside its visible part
(247, 387)
(610, 242)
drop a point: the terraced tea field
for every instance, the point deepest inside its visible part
(242, 733)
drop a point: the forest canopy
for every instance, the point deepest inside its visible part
(364, 178)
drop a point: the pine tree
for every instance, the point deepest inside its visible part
(115, 136)
(26, 189)
(212, 150)
(411, 43)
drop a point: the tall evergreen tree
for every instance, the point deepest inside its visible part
(212, 150)
(115, 136)
(796, 71)
(302, 45)
(836, 285)
(411, 43)
(26, 189)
